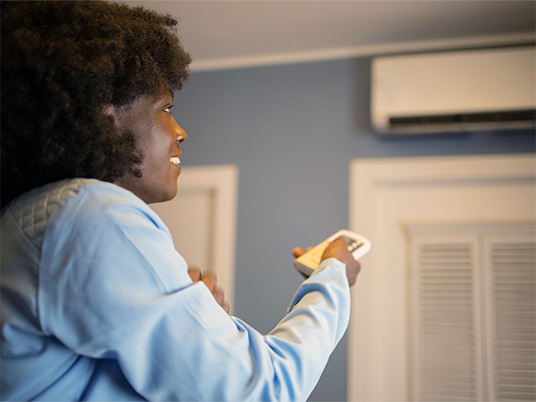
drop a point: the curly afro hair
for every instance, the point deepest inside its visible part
(62, 63)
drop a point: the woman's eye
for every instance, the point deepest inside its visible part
(168, 109)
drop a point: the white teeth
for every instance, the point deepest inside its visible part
(175, 160)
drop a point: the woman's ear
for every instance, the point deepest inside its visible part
(109, 110)
(113, 112)
(123, 115)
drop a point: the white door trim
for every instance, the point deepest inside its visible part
(220, 184)
(222, 181)
(368, 177)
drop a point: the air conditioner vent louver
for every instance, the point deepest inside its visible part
(523, 117)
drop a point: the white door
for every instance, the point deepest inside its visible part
(386, 197)
(202, 220)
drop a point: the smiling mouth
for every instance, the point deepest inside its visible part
(175, 160)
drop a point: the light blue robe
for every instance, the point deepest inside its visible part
(98, 305)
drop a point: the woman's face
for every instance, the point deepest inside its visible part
(158, 136)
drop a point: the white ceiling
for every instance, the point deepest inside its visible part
(230, 34)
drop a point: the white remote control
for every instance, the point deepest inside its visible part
(310, 260)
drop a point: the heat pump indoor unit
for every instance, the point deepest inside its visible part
(473, 90)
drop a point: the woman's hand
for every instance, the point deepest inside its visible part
(338, 249)
(209, 279)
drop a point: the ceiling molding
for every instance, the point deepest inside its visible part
(362, 51)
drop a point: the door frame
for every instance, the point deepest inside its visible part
(370, 368)
(221, 183)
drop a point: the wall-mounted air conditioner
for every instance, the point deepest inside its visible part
(471, 90)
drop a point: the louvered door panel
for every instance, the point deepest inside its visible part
(446, 322)
(513, 283)
(474, 311)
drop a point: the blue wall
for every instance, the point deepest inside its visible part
(292, 130)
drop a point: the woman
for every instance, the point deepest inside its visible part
(96, 302)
